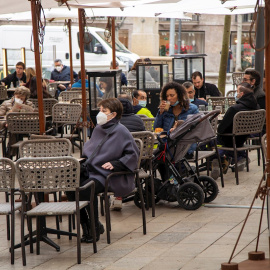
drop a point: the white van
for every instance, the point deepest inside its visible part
(98, 52)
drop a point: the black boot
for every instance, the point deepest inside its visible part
(99, 230)
(85, 233)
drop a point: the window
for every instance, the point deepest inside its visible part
(191, 42)
(90, 42)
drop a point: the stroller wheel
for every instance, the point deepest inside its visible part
(137, 200)
(190, 196)
(209, 187)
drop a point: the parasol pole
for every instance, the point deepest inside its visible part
(38, 66)
(81, 35)
(267, 100)
(113, 43)
(70, 51)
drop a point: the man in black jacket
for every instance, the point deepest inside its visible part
(16, 76)
(246, 102)
(253, 77)
(202, 88)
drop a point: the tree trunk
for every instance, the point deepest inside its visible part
(224, 54)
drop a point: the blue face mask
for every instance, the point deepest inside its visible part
(191, 99)
(176, 103)
(142, 103)
(235, 96)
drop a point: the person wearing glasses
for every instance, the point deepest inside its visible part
(253, 77)
(16, 78)
(191, 95)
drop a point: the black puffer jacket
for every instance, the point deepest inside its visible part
(245, 103)
(130, 120)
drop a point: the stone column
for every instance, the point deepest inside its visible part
(145, 37)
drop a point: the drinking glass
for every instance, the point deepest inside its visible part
(167, 107)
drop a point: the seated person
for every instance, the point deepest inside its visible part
(30, 73)
(118, 153)
(16, 77)
(203, 89)
(253, 77)
(130, 120)
(179, 109)
(78, 84)
(21, 96)
(106, 84)
(140, 102)
(245, 102)
(33, 89)
(62, 73)
(15, 104)
(191, 95)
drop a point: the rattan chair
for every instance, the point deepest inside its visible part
(246, 123)
(47, 104)
(146, 172)
(21, 124)
(132, 82)
(52, 174)
(142, 115)
(67, 96)
(106, 193)
(44, 146)
(78, 101)
(52, 89)
(128, 89)
(67, 115)
(220, 101)
(41, 137)
(75, 89)
(3, 93)
(7, 185)
(237, 78)
(231, 93)
(149, 124)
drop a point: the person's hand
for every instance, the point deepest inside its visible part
(202, 99)
(162, 106)
(107, 166)
(61, 86)
(2, 83)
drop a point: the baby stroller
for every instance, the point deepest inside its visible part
(179, 181)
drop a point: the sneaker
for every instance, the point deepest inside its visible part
(241, 164)
(116, 204)
(215, 169)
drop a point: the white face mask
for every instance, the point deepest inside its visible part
(18, 100)
(102, 118)
(58, 68)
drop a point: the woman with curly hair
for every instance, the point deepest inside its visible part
(179, 106)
